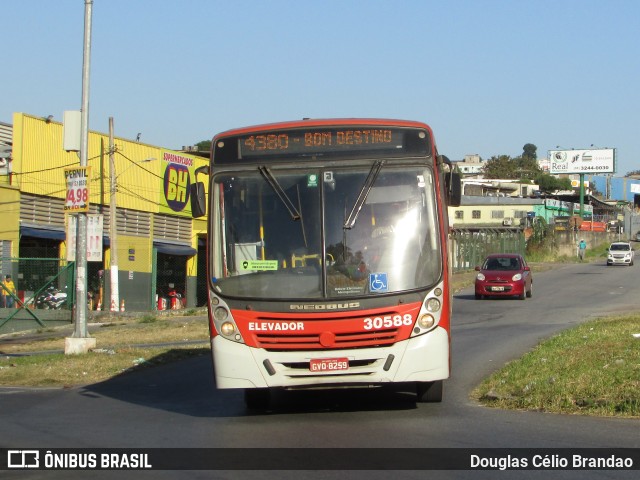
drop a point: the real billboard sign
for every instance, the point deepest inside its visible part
(599, 160)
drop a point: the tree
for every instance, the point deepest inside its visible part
(530, 151)
(550, 184)
(204, 145)
(500, 167)
(518, 168)
(527, 167)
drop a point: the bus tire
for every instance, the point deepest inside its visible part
(429, 392)
(257, 398)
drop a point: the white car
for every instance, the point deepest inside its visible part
(620, 253)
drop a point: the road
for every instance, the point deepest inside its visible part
(177, 405)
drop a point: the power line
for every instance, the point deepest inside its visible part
(138, 164)
(137, 195)
(52, 168)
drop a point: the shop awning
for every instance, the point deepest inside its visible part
(43, 233)
(175, 248)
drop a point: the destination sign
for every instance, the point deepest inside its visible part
(372, 141)
(301, 142)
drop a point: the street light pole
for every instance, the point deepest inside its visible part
(115, 288)
(80, 342)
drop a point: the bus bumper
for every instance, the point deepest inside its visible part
(420, 359)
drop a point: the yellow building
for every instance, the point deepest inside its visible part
(158, 242)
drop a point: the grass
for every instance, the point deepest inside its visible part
(121, 347)
(593, 369)
(544, 254)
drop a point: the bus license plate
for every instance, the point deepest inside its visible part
(498, 289)
(328, 364)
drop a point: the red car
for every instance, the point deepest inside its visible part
(504, 275)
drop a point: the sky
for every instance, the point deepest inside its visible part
(489, 76)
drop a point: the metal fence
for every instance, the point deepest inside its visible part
(470, 247)
(43, 294)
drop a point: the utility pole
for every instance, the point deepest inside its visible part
(582, 198)
(80, 341)
(113, 224)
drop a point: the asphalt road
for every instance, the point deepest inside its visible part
(178, 406)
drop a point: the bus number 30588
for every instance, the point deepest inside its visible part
(388, 321)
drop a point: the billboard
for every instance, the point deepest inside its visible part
(599, 160)
(178, 173)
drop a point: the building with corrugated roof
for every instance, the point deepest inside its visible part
(159, 245)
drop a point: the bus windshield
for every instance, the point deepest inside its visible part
(268, 253)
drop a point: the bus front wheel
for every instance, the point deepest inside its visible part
(257, 398)
(429, 392)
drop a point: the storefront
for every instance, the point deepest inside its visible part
(157, 247)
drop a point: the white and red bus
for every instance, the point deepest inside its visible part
(327, 256)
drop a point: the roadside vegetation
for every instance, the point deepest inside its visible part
(543, 252)
(122, 346)
(593, 369)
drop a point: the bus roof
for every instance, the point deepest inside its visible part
(309, 122)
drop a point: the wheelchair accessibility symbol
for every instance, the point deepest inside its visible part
(378, 282)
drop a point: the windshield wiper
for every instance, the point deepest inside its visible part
(362, 196)
(282, 195)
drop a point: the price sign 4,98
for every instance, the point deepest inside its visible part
(77, 179)
(79, 195)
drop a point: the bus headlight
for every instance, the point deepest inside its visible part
(426, 321)
(227, 329)
(220, 314)
(433, 305)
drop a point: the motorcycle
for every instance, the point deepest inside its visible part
(51, 299)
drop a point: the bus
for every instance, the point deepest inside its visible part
(327, 256)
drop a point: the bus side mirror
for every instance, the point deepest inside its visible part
(454, 188)
(452, 182)
(198, 197)
(198, 202)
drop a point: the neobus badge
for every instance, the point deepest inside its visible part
(325, 306)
